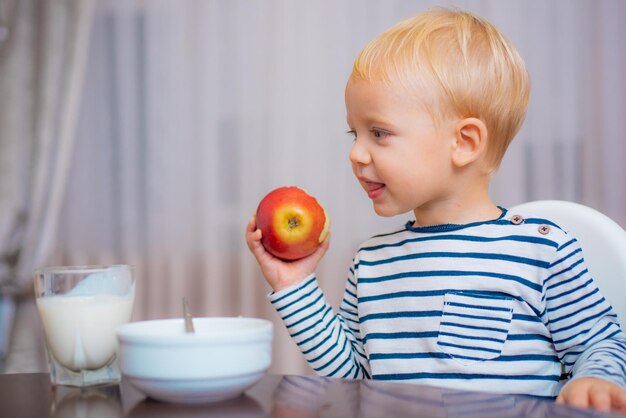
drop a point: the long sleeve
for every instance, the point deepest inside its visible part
(584, 328)
(329, 342)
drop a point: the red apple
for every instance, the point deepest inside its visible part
(293, 223)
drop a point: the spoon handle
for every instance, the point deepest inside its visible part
(187, 315)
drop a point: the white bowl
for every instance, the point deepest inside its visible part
(223, 358)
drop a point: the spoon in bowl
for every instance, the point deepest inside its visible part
(187, 315)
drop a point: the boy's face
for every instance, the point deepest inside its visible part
(400, 157)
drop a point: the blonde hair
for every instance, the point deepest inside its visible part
(479, 73)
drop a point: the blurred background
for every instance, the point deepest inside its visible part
(146, 132)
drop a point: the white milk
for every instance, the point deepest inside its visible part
(80, 330)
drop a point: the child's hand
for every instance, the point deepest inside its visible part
(591, 392)
(279, 273)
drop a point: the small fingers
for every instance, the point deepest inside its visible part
(251, 226)
(321, 250)
(618, 399)
(594, 393)
(575, 395)
(600, 398)
(581, 401)
(253, 236)
(326, 243)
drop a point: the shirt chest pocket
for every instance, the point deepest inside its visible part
(474, 326)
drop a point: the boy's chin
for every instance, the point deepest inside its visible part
(385, 211)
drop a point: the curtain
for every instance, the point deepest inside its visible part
(194, 110)
(42, 60)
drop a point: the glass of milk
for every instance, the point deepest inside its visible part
(80, 307)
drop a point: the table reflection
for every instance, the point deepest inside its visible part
(299, 397)
(241, 407)
(101, 402)
(308, 397)
(405, 400)
(278, 397)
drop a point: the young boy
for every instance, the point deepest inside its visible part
(467, 295)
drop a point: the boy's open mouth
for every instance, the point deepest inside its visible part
(374, 189)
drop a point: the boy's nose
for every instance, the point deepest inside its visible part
(359, 154)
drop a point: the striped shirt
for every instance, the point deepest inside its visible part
(501, 306)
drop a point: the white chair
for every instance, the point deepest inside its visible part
(603, 242)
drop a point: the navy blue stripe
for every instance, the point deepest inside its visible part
(528, 337)
(348, 314)
(363, 356)
(452, 324)
(310, 327)
(446, 254)
(468, 347)
(340, 366)
(619, 361)
(352, 284)
(564, 282)
(293, 291)
(539, 221)
(454, 227)
(580, 260)
(442, 355)
(584, 308)
(299, 321)
(427, 293)
(350, 304)
(576, 353)
(398, 335)
(316, 346)
(431, 293)
(564, 340)
(450, 273)
(483, 307)
(569, 292)
(505, 320)
(295, 301)
(352, 321)
(406, 294)
(471, 238)
(407, 356)
(346, 374)
(462, 376)
(470, 337)
(389, 234)
(313, 360)
(575, 301)
(332, 360)
(527, 318)
(305, 307)
(528, 357)
(404, 314)
(485, 294)
(567, 244)
(559, 261)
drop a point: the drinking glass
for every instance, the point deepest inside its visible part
(80, 308)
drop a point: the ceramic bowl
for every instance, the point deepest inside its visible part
(223, 358)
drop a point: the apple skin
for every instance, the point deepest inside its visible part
(292, 222)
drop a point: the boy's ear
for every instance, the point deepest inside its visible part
(470, 141)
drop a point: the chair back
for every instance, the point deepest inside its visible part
(602, 240)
